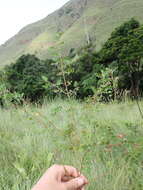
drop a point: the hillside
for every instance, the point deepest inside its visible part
(71, 27)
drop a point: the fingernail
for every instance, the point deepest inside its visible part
(80, 181)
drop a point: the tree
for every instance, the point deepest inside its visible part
(26, 76)
(83, 67)
(125, 47)
(131, 55)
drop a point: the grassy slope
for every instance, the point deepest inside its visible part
(81, 134)
(98, 18)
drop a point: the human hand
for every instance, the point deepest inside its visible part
(60, 177)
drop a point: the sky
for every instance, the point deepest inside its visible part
(15, 14)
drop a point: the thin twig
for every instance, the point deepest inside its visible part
(139, 108)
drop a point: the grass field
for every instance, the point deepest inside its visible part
(103, 141)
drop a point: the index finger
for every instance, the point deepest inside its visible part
(71, 171)
(61, 171)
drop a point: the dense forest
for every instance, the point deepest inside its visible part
(112, 73)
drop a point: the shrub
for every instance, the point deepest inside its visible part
(26, 77)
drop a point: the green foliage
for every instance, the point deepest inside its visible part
(83, 66)
(125, 48)
(8, 98)
(124, 29)
(107, 87)
(116, 68)
(119, 39)
(26, 77)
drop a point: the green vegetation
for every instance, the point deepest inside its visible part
(105, 75)
(28, 76)
(74, 21)
(124, 50)
(103, 141)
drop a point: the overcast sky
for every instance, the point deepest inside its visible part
(15, 14)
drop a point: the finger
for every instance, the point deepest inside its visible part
(67, 178)
(60, 171)
(86, 180)
(82, 188)
(71, 171)
(75, 184)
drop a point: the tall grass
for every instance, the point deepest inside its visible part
(104, 141)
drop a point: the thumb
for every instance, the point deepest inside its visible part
(75, 183)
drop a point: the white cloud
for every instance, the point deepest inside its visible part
(15, 14)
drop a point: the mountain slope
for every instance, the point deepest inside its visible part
(72, 26)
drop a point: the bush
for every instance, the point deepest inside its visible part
(26, 77)
(7, 98)
(107, 88)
